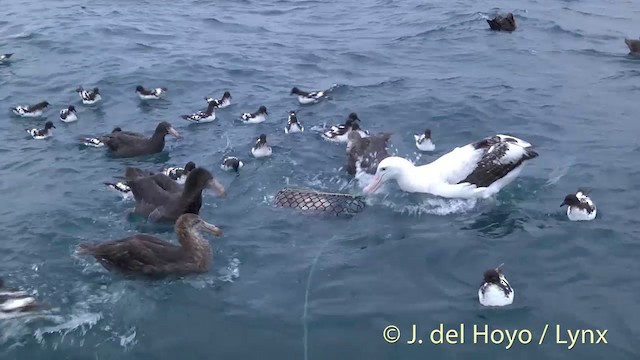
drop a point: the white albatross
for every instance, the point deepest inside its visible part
(476, 170)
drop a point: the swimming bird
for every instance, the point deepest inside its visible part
(179, 174)
(5, 57)
(151, 94)
(340, 133)
(159, 198)
(89, 97)
(143, 254)
(503, 22)
(634, 46)
(579, 206)
(40, 134)
(477, 170)
(206, 116)
(423, 141)
(364, 154)
(293, 125)
(69, 114)
(121, 188)
(221, 103)
(495, 289)
(256, 117)
(30, 110)
(122, 144)
(261, 148)
(97, 142)
(14, 303)
(231, 163)
(305, 98)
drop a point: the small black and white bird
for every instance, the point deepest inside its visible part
(261, 148)
(495, 289)
(179, 174)
(200, 117)
(579, 206)
(150, 94)
(293, 125)
(305, 98)
(89, 97)
(231, 163)
(340, 133)
(15, 303)
(69, 114)
(222, 102)
(35, 110)
(40, 134)
(423, 141)
(121, 188)
(255, 117)
(5, 58)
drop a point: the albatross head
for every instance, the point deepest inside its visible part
(391, 168)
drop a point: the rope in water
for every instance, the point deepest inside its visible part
(305, 327)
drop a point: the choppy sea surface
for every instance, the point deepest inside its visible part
(290, 286)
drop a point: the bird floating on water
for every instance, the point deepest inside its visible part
(340, 133)
(161, 199)
(293, 125)
(423, 141)
(579, 206)
(35, 110)
(495, 289)
(143, 254)
(150, 94)
(221, 103)
(89, 97)
(200, 117)
(503, 22)
(633, 45)
(261, 148)
(179, 174)
(255, 117)
(121, 188)
(5, 58)
(124, 144)
(305, 98)
(69, 114)
(14, 303)
(40, 134)
(477, 170)
(231, 163)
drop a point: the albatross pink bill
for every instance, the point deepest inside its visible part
(373, 186)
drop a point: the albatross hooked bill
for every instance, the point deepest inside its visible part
(216, 186)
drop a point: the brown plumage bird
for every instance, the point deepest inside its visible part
(503, 22)
(634, 46)
(143, 254)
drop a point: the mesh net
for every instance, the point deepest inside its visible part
(321, 202)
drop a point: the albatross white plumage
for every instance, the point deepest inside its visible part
(476, 170)
(495, 289)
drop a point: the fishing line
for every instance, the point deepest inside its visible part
(305, 327)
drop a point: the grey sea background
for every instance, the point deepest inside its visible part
(291, 286)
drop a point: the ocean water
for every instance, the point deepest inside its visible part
(291, 286)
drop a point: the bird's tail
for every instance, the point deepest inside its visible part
(186, 117)
(6, 56)
(493, 24)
